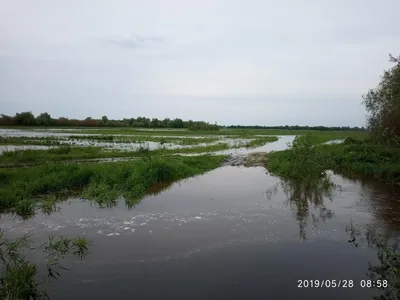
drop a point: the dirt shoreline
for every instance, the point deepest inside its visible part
(255, 159)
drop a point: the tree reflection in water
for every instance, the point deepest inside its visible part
(388, 253)
(306, 199)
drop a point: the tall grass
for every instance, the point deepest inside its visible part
(363, 157)
(23, 190)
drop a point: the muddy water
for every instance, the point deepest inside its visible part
(229, 234)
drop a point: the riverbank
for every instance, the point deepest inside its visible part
(362, 157)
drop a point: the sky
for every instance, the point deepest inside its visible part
(247, 62)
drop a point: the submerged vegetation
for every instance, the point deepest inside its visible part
(24, 190)
(19, 277)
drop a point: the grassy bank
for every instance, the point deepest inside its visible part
(372, 159)
(22, 190)
(354, 155)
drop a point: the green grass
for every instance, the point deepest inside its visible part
(24, 190)
(19, 277)
(57, 154)
(48, 141)
(367, 158)
(81, 153)
(65, 153)
(301, 162)
(359, 156)
(57, 140)
(261, 141)
(145, 138)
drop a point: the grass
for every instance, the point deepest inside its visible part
(363, 157)
(301, 162)
(19, 277)
(58, 140)
(65, 153)
(22, 140)
(55, 154)
(81, 153)
(261, 141)
(360, 156)
(145, 138)
(303, 179)
(24, 190)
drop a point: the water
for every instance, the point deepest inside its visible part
(67, 138)
(231, 233)
(6, 148)
(219, 235)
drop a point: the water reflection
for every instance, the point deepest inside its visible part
(225, 217)
(159, 187)
(306, 200)
(387, 247)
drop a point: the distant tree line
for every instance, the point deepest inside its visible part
(44, 119)
(297, 127)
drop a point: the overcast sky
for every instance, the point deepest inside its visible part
(235, 62)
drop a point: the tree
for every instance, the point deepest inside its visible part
(7, 120)
(104, 121)
(43, 119)
(155, 123)
(383, 106)
(25, 118)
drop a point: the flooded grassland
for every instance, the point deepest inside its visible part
(208, 224)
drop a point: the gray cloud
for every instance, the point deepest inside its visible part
(231, 61)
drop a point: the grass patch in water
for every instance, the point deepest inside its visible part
(22, 140)
(261, 141)
(62, 153)
(354, 155)
(23, 190)
(75, 153)
(19, 277)
(145, 138)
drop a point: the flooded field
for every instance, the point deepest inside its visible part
(122, 142)
(232, 233)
